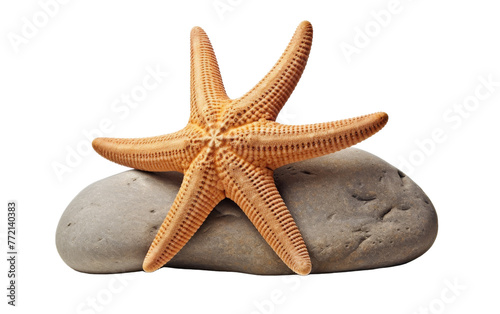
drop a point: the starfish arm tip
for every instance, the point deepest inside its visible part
(382, 118)
(98, 143)
(104, 146)
(197, 30)
(305, 24)
(303, 268)
(149, 265)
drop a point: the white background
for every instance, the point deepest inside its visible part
(428, 58)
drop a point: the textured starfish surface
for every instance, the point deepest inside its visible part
(230, 148)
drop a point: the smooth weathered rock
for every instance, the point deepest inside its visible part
(354, 210)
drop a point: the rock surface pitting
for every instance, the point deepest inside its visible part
(354, 210)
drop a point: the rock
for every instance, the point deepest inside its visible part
(354, 210)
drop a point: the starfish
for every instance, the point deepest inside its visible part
(230, 148)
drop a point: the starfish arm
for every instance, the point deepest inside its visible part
(273, 145)
(267, 98)
(171, 152)
(197, 197)
(206, 82)
(254, 190)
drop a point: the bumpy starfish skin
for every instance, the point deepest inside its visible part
(230, 148)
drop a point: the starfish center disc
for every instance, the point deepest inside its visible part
(215, 138)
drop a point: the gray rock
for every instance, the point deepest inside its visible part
(354, 210)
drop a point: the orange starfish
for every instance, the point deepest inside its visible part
(230, 148)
